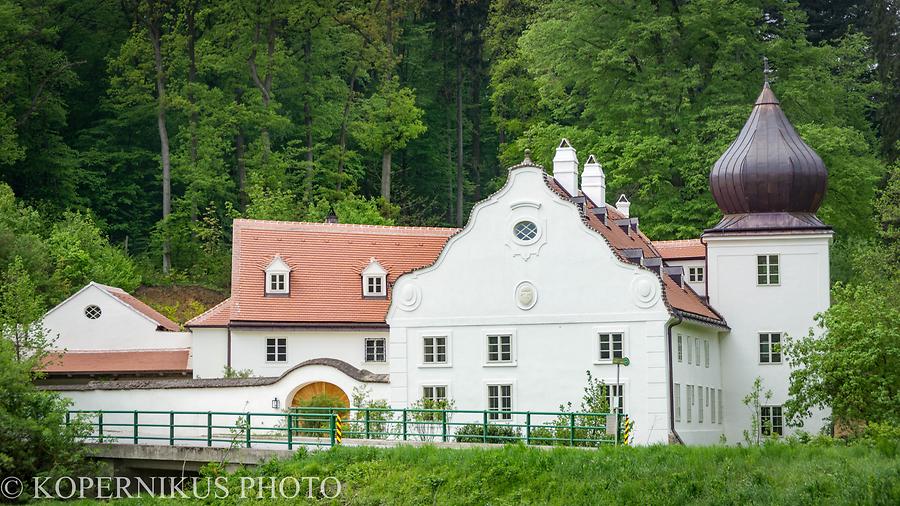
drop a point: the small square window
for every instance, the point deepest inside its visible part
(434, 393)
(375, 347)
(695, 274)
(276, 349)
(500, 402)
(375, 286)
(770, 348)
(499, 348)
(771, 420)
(435, 349)
(767, 270)
(611, 346)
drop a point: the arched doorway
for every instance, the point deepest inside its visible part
(320, 389)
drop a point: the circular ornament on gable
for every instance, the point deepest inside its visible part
(645, 291)
(410, 297)
(526, 295)
(92, 312)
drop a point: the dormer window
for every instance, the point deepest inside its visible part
(374, 280)
(278, 277)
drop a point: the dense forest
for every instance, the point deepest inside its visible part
(133, 131)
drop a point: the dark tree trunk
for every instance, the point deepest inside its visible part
(307, 117)
(386, 175)
(345, 120)
(155, 30)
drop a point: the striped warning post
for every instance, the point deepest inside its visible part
(628, 434)
(338, 429)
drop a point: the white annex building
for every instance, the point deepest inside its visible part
(546, 282)
(104, 332)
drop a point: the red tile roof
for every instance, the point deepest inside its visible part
(326, 261)
(111, 362)
(683, 299)
(142, 308)
(684, 249)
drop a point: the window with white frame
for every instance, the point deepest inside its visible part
(712, 402)
(677, 401)
(375, 349)
(434, 349)
(499, 402)
(611, 346)
(434, 393)
(771, 420)
(616, 396)
(92, 312)
(706, 352)
(276, 349)
(374, 280)
(695, 274)
(700, 404)
(690, 350)
(278, 277)
(767, 270)
(690, 402)
(680, 348)
(499, 348)
(770, 348)
(721, 409)
(697, 350)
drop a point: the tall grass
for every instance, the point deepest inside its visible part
(772, 474)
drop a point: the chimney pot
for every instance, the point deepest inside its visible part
(593, 181)
(622, 205)
(565, 167)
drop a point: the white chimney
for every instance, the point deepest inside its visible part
(565, 167)
(593, 181)
(622, 205)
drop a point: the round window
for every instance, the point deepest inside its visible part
(525, 231)
(92, 312)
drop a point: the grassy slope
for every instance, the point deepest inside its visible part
(776, 474)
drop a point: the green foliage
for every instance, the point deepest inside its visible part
(231, 372)
(754, 400)
(594, 400)
(389, 119)
(81, 254)
(851, 363)
(493, 433)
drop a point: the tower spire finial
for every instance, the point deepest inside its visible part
(766, 70)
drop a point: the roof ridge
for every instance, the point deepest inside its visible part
(342, 225)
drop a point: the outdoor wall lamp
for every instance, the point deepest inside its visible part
(276, 404)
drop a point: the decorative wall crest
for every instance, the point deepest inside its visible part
(645, 291)
(526, 295)
(410, 297)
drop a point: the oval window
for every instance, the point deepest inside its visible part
(525, 231)
(92, 312)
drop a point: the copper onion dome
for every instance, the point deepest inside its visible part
(768, 179)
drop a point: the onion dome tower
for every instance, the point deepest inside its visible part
(768, 179)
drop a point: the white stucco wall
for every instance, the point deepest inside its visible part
(119, 326)
(248, 349)
(581, 288)
(697, 374)
(788, 307)
(254, 399)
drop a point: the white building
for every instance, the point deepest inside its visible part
(545, 282)
(104, 332)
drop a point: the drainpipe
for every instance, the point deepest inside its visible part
(669, 327)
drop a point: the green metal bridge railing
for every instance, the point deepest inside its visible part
(313, 426)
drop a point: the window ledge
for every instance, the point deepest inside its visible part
(500, 364)
(441, 365)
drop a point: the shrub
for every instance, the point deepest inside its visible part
(496, 433)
